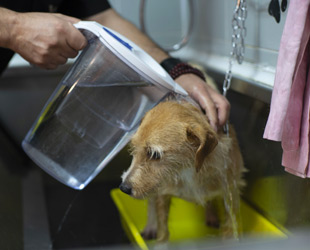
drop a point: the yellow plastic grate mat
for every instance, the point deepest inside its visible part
(186, 220)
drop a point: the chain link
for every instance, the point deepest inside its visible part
(239, 30)
(237, 43)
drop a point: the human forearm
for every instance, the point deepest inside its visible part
(7, 20)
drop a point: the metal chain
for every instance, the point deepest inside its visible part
(239, 30)
(237, 44)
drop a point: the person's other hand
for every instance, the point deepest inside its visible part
(46, 40)
(215, 105)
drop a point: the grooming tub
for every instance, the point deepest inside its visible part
(187, 221)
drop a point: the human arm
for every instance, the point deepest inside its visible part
(43, 39)
(111, 19)
(213, 103)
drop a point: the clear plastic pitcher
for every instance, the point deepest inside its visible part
(97, 106)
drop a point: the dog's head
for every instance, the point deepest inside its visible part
(171, 137)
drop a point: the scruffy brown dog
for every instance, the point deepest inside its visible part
(177, 153)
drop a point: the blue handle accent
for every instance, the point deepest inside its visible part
(127, 45)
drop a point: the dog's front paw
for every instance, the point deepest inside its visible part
(212, 218)
(149, 233)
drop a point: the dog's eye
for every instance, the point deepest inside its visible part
(153, 155)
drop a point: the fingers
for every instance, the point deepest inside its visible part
(54, 63)
(223, 110)
(67, 47)
(215, 105)
(209, 106)
(73, 36)
(75, 39)
(68, 52)
(73, 42)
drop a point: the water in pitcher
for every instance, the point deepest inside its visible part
(84, 116)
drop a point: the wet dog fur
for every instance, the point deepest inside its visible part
(177, 153)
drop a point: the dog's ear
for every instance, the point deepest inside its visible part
(204, 141)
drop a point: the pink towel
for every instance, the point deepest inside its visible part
(288, 120)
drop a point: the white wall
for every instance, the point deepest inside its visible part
(211, 40)
(213, 31)
(165, 20)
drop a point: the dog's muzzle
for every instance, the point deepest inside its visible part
(125, 188)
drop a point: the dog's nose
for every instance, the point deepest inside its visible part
(125, 188)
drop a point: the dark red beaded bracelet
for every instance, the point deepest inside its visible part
(176, 68)
(184, 68)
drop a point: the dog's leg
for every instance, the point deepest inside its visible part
(231, 228)
(162, 209)
(212, 217)
(150, 230)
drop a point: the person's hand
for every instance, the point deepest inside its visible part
(46, 40)
(215, 105)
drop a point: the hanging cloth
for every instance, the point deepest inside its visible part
(288, 120)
